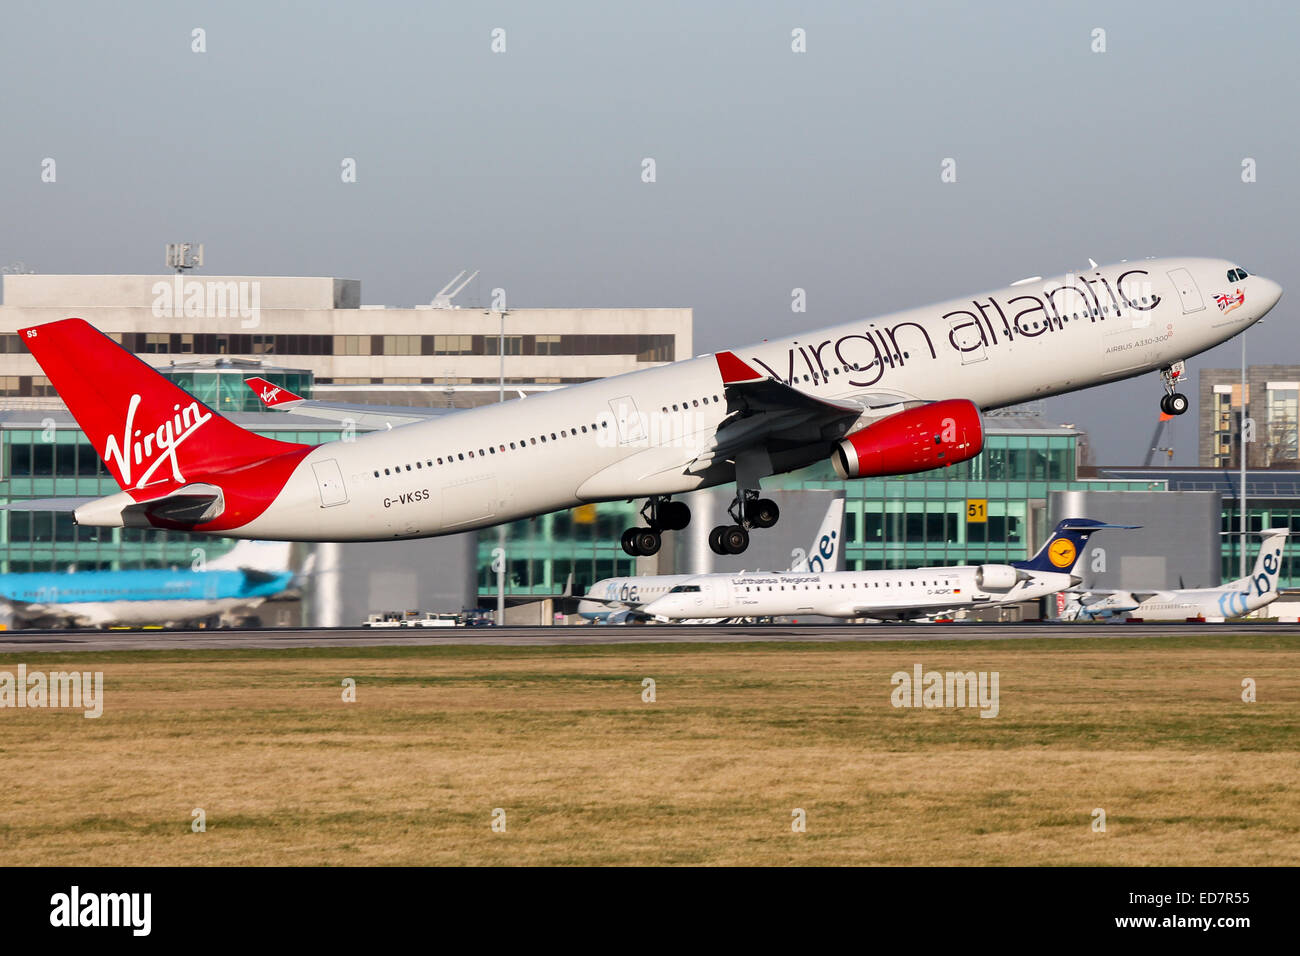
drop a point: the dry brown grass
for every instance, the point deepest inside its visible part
(1152, 731)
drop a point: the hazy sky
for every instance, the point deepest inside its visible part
(775, 169)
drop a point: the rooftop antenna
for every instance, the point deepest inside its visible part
(443, 299)
(184, 255)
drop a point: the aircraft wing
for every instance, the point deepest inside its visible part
(767, 412)
(257, 576)
(1115, 599)
(276, 398)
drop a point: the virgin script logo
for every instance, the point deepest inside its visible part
(151, 449)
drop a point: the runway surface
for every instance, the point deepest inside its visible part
(26, 642)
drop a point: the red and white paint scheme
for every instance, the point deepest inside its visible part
(272, 395)
(898, 393)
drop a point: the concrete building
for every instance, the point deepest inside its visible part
(1271, 400)
(321, 325)
(1176, 543)
(1272, 501)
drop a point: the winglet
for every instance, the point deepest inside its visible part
(733, 370)
(272, 395)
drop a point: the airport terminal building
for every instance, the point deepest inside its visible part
(321, 325)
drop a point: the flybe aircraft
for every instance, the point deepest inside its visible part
(239, 580)
(883, 595)
(1235, 599)
(892, 395)
(619, 600)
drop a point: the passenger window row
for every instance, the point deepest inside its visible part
(693, 403)
(523, 443)
(853, 585)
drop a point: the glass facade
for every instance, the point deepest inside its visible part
(1261, 514)
(906, 521)
(224, 388)
(1283, 424)
(58, 461)
(542, 552)
(991, 509)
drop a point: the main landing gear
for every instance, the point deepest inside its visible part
(747, 510)
(1173, 402)
(660, 515)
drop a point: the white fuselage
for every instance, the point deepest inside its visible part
(612, 438)
(164, 613)
(915, 592)
(1235, 600)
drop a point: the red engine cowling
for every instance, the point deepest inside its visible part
(929, 436)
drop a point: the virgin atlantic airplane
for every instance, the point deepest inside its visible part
(897, 394)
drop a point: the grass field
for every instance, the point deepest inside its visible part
(1152, 731)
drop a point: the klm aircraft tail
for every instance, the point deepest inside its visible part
(1064, 549)
(270, 556)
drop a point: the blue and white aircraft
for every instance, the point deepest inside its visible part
(619, 600)
(239, 580)
(1234, 599)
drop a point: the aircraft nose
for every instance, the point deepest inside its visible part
(1268, 291)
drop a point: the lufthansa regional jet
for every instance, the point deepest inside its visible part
(620, 600)
(883, 595)
(892, 395)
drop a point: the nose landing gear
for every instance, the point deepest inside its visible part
(661, 515)
(1173, 402)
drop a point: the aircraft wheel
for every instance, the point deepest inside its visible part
(735, 539)
(674, 515)
(762, 513)
(628, 543)
(646, 541)
(1178, 403)
(715, 540)
(1164, 404)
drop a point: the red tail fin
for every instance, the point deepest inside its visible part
(148, 431)
(272, 395)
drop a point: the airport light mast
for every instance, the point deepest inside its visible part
(1241, 556)
(499, 554)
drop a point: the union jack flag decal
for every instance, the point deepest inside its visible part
(1227, 302)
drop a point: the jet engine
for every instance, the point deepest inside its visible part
(918, 439)
(997, 577)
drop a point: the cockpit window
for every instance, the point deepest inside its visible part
(685, 589)
(1236, 275)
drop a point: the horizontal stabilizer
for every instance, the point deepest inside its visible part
(179, 510)
(45, 504)
(733, 369)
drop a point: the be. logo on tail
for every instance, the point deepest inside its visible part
(1264, 580)
(154, 447)
(825, 553)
